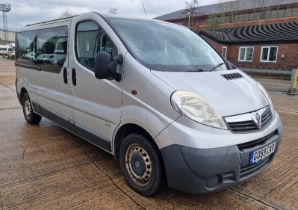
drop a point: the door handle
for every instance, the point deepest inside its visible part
(74, 77)
(65, 75)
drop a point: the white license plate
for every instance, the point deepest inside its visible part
(261, 154)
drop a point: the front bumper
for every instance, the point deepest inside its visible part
(207, 170)
(201, 161)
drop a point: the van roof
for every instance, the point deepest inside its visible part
(66, 19)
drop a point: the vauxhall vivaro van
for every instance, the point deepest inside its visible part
(153, 94)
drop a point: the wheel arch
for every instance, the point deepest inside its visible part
(126, 129)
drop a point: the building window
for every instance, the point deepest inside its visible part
(268, 14)
(255, 16)
(269, 54)
(245, 54)
(295, 11)
(274, 14)
(288, 12)
(281, 13)
(244, 17)
(224, 52)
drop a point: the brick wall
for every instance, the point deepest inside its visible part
(287, 57)
(218, 47)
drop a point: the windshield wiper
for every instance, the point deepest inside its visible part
(196, 70)
(215, 67)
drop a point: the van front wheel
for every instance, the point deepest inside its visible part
(141, 165)
(29, 115)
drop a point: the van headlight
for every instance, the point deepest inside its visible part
(196, 108)
(267, 97)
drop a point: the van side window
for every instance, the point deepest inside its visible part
(91, 39)
(51, 49)
(26, 48)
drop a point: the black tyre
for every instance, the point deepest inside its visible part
(141, 165)
(29, 115)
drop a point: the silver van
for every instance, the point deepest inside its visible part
(153, 94)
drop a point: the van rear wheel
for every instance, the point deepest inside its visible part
(141, 165)
(29, 115)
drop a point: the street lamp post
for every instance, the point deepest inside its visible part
(5, 8)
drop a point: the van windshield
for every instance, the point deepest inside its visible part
(166, 47)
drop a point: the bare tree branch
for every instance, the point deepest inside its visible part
(191, 6)
(232, 9)
(262, 6)
(113, 11)
(66, 14)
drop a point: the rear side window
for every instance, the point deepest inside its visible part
(45, 48)
(26, 45)
(91, 39)
(51, 49)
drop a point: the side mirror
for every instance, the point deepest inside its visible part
(106, 66)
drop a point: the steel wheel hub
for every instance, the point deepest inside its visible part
(27, 107)
(138, 164)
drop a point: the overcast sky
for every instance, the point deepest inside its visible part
(24, 12)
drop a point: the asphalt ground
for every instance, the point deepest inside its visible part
(46, 167)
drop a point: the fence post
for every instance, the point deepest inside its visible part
(294, 82)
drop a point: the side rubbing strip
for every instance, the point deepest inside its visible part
(92, 138)
(74, 128)
(55, 118)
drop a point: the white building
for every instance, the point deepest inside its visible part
(11, 36)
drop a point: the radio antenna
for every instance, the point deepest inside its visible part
(144, 9)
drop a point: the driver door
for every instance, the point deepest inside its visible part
(97, 103)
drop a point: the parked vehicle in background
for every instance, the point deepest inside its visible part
(30, 56)
(9, 54)
(45, 58)
(5, 48)
(153, 94)
(7, 51)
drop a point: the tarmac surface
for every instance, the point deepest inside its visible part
(46, 167)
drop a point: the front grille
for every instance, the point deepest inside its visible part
(232, 76)
(266, 116)
(257, 142)
(246, 123)
(243, 126)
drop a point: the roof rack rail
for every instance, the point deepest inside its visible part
(51, 21)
